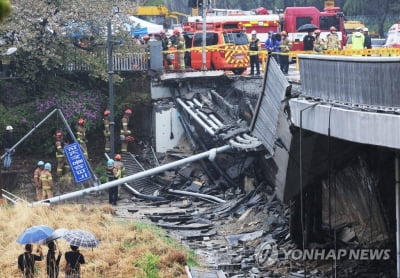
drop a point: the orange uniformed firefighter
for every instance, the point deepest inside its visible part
(60, 157)
(46, 180)
(119, 165)
(81, 136)
(125, 135)
(106, 121)
(181, 46)
(36, 180)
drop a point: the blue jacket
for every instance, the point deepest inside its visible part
(272, 45)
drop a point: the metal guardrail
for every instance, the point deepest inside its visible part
(11, 197)
(136, 61)
(139, 61)
(355, 81)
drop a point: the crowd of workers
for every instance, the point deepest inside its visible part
(279, 45)
(174, 43)
(42, 176)
(73, 261)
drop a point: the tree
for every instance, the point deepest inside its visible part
(47, 34)
(380, 9)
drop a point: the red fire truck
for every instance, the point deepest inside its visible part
(261, 23)
(294, 17)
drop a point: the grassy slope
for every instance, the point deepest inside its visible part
(127, 249)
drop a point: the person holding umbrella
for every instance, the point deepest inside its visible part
(26, 261)
(308, 41)
(52, 264)
(74, 260)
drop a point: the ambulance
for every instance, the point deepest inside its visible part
(226, 46)
(393, 37)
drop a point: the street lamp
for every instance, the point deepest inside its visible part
(110, 71)
(204, 35)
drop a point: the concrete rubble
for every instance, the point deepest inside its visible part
(247, 233)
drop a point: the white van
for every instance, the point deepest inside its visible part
(393, 38)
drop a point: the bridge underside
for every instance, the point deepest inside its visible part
(372, 126)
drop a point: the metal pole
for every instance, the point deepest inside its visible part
(199, 195)
(67, 125)
(110, 71)
(303, 231)
(30, 132)
(195, 116)
(203, 50)
(136, 176)
(397, 175)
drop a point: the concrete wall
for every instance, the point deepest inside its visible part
(168, 130)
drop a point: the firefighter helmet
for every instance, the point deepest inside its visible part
(128, 111)
(9, 127)
(283, 33)
(110, 162)
(106, 112)
(47, 166)
(58, 134)
(333, 28)
(117, 157)
(81, 121)
(176, 32)
(40, 163)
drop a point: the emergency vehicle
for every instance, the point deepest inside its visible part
(294, 17)
(393, 37)
(227, 46)
(261, 23)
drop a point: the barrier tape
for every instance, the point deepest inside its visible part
(264, 53)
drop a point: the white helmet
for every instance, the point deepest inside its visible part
(254, 32)
(365, 29)
(9, 127)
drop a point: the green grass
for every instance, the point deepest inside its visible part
(149, 265)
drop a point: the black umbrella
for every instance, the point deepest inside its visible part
(307, 28)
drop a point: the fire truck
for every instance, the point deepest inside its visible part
(260, 21)
(227, 46)
(294, 17)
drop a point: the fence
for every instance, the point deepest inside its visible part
(137, 61)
